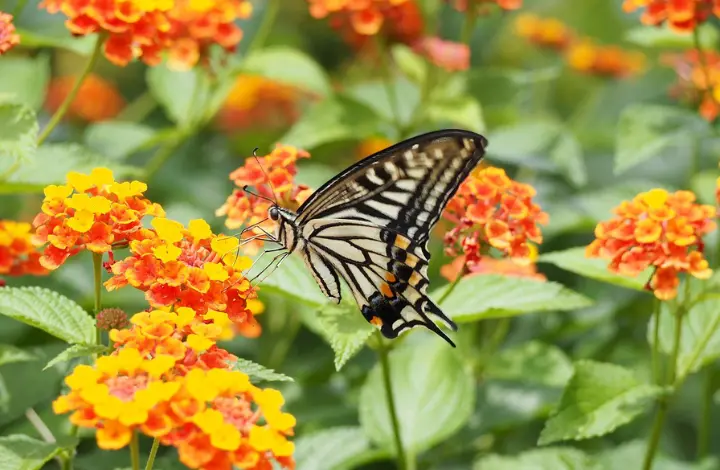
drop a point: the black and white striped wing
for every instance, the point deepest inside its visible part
(385, 270)
(403, 188)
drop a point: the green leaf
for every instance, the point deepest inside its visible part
(703, 184)
(412, 65)
(552, 458)
(54, 161)
(277, 61)
(48, 311)
(574, 260)
(25, 79)
(700, 336)
(11, 354)
(400, 104)
(258, 372)
(330, 449)
(532, 362)
(646, 131)
(599, 398)
(663, 37)
(567, 154)
(18, 135)
(334, 119)
(75, 351)
(117, 139)
(496, 296)
(434, 396)
(345, 329)
(525, 143)
(505, 405)
(20, 452)
(462, 111)
(292, 280)
(632, 454)
(181, 94)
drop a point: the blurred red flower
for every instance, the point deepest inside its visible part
(681, 15)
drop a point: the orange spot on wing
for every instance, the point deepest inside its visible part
(376, 321)
(402, 242)
(390, 277)
(411, 260)
(386, 291)
(414, 278)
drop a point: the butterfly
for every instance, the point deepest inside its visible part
(370, 225)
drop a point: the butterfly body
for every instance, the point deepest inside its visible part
(370, 226)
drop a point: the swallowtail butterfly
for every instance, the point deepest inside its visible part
(370, 224)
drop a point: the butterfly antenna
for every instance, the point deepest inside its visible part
(266, 175)
(245, 188)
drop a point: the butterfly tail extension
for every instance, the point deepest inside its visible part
(434, 310)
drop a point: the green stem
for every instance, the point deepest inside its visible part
(384, 352)
(153, 453)
(138, 109)
(656, 342)
(60, 113)
(703, 440)
(655, 436)
(97, 275)
(453, 285)
(163, 154)
(389, 86)
(469, 24)
(260, 37)
(135, 451)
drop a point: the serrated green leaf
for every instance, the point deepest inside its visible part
(180, 93)
(25, 79)
(75, 351)
(10, 354)
(532, 362)
(496, 296)
(274, 63)
(411, 64)
(48, 311)
(599, 398)
(258, 372)
(18, 135)
(552, 458)
(52, 163)
(334, 119)
(574, 260)
(664, 37)
(567, 154)
(646, 131)
(434, 396)
(462, 111)
(117, 139)
(292, 280)
(330, 449)
(20, 452)
(345, 329)
(700, 335)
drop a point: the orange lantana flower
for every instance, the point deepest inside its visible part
(659, 230)
(365, 17)
(271, 176)
(484, 6)
(17, 253)
(588, 57)
(449, 55)
(188, 267)
(544, 32)
(698, 80)
(8, 36)
(97, 99)
(90, 211)
(683, 15)
(490, 210)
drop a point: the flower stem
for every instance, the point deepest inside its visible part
(656, 341)
(39, 425)
(453, 284)
(163, 154)
(383, 352)
(469, 24)
(655, 436)
(60, 113)
(153, 453)
(135, 451)
(263, 31)
(97, 274)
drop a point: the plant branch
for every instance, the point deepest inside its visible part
(39, 425)
(263, 31)
(135, 451)
(153, 453)
(60, 113)
(384, 352)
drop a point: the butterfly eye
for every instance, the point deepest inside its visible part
(274, 213)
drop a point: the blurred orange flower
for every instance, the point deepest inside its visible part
(8, 36)
(681, 15)
(366, 16)
(97, 99)
(188, 267)
(484, 5)
(184, 28)
(698, 80)
(18, 256)
(587, 57)
(258, 102)
(449, 55)
(488, 265)
(660, 230)
(490, 210)
(544, 32)
(370, 146)
(91, 212)
(271, 176)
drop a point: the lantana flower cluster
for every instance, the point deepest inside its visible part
(492, 211)
(483, 6)
(365, 17)
(659, 230)
(183, 28)
(273, 178)
(8, 36)
(97, 99)
(18, 255)
(683, 16)
(581, 53)
(698, 80)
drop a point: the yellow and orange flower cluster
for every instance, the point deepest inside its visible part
(90, 211)
(448, 55)
(8, 36)
(581, 53)
(484, 6)
(272, 177)
(258, 102)
(357, 20)
(97, 100)
(698, 80)
(490, 210)
(18, 256)
(659, 230)
(136, 29)
(188, 267)
(680, 15)
(215, 417)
